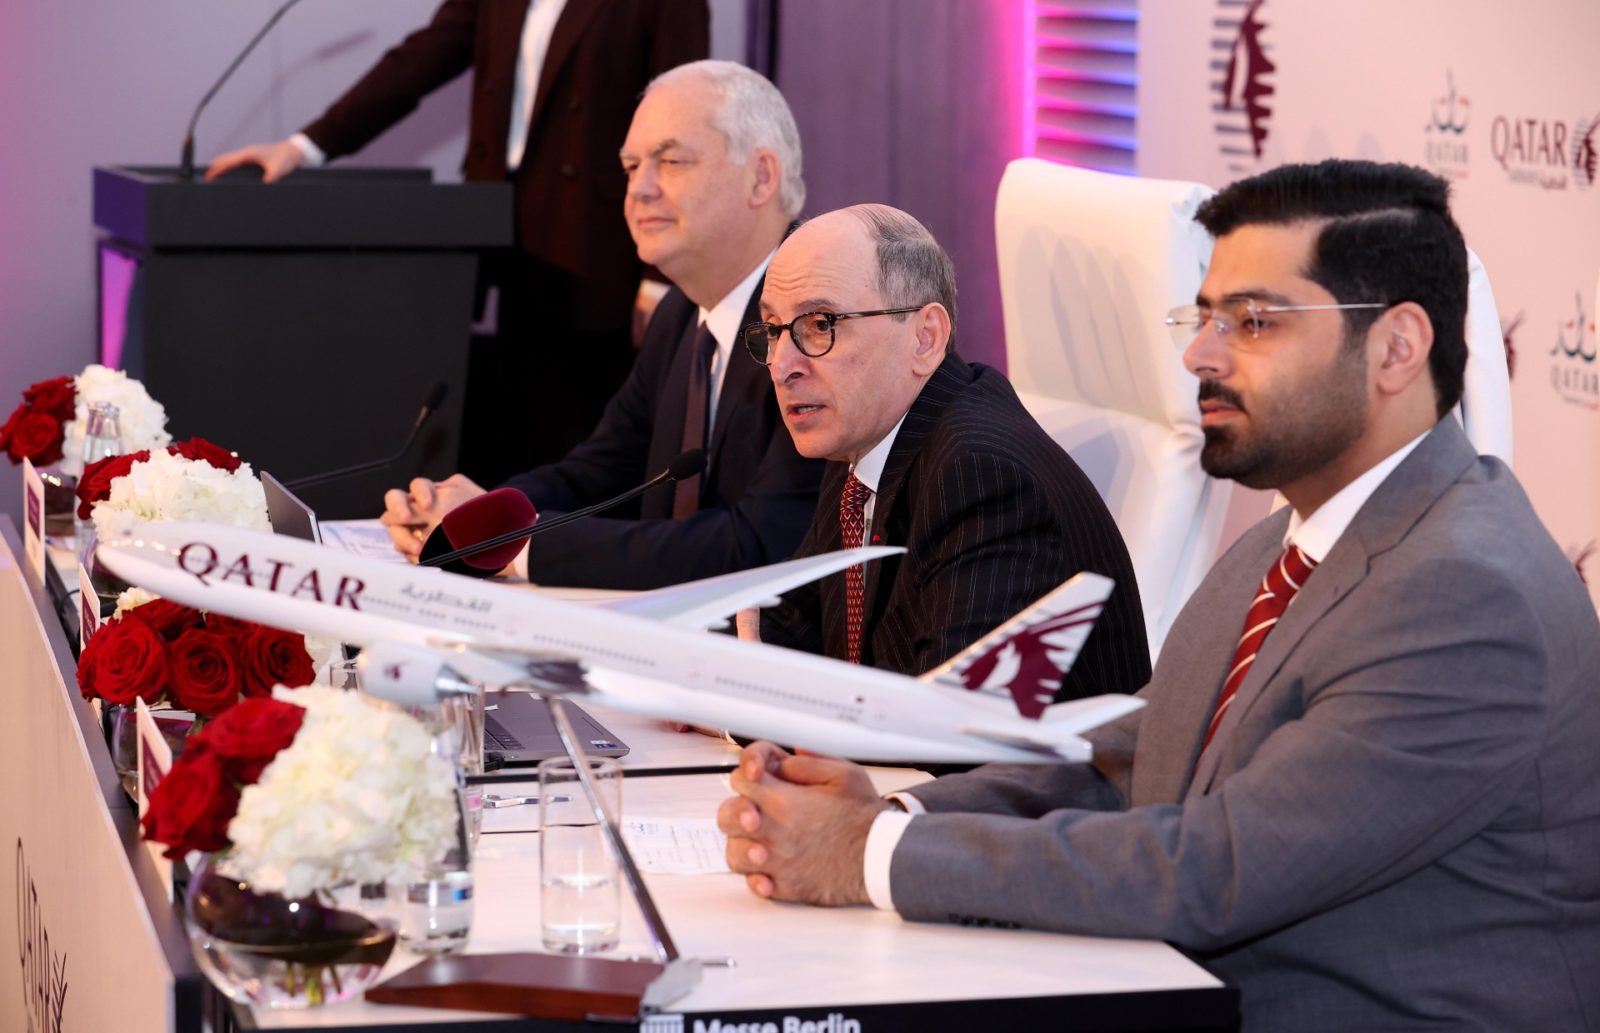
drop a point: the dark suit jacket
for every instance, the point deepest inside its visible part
(569, 187)
(993, 515)
(1397, 826)
(756, 497)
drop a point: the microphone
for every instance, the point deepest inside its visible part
(186, 161)
(479, 527)
(430, 404)
(495, 510)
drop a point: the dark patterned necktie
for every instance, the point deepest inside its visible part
(1277, 588)
(852, 507)
(686, 494)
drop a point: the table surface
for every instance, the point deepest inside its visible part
(785, 955)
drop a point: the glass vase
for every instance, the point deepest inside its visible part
(123, 732)
(261, 949)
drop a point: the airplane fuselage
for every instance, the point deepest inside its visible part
(634, 663)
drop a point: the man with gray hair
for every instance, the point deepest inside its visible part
(929, 452)
(712, 161)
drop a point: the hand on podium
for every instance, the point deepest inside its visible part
(276, 160)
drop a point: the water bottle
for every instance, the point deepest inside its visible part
(102, 437)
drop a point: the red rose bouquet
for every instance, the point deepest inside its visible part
(161, 651)
(191, 807)
(192, 480)
(307, 791)
(37, 429)
(48, 426)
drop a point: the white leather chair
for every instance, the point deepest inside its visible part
(1485, 409)
(1089, 265)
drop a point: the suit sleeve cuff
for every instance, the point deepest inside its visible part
(314, 156)
(882, 838)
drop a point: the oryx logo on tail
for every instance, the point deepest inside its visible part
(1025, 657)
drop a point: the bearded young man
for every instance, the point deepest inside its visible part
(1365, 788)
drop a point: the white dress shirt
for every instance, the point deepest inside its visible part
(1315, 535)
(724, 320)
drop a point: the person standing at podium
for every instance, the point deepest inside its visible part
(554, 83)
(712, 166)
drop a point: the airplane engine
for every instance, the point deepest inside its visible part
(412, 676)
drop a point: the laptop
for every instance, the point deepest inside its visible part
(519, 730)
(286, 513)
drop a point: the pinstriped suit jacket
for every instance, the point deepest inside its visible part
(1397, 826)
(993, 515)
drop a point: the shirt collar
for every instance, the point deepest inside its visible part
(725, 319)
(869, 470)
(1316, 534)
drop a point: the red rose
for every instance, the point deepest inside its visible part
(95, 484)
(58, 397)
(271, 657)
(204, 670)
(203, 451)
(124, 661)
(191, 806)
(32, 434)
(169, 619)
(232, 627)
(250, 735)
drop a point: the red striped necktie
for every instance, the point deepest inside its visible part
(852, 522)
(1277, 588)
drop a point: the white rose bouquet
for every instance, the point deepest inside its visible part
(357, 797)
(309, 790)
(142, 419)
(192, 480)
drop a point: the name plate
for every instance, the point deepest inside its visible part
(155, 760)
(33, 519)
(88, 609)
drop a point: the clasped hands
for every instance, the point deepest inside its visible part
(411, 515)
(798, 828)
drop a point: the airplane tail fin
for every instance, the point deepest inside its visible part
(1025, 657)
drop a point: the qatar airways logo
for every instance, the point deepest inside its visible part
(1573, 372)
(1242, 86)
(1444, 145)
(1549, 153)
(203, 563)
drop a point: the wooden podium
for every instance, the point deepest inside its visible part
(299, 323)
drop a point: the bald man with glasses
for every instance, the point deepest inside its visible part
(926, 451)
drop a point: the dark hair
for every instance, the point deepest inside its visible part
(912, 268)
(1388, 236)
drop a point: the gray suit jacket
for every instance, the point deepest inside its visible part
(1398, 825)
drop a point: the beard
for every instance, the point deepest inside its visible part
(1294, 433)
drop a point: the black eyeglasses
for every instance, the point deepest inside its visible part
(811, 332)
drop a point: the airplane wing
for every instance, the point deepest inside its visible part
(708, 603)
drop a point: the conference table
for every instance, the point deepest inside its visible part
(102, 945)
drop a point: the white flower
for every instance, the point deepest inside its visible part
(132, 597)
(142, 419)
(169, 487)
(357, 797)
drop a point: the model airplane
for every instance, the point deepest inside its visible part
(421, 629)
